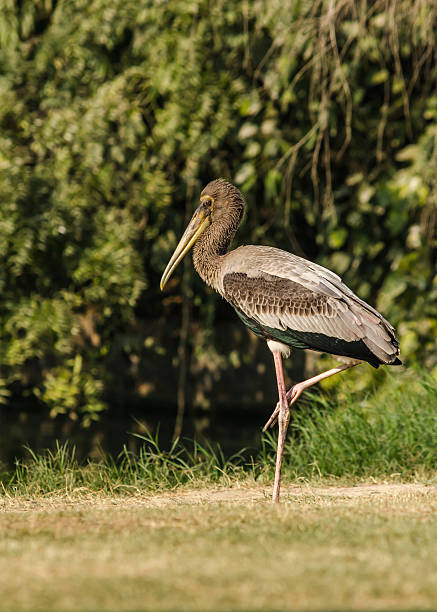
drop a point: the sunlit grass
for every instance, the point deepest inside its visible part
(317, 551)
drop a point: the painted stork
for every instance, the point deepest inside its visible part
(285, 299)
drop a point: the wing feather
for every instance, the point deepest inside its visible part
(282, 291)
(282, 304)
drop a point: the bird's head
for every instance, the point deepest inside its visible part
(219, 201)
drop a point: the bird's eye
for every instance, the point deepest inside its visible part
(207, 204)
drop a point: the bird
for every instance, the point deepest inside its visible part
(289, 301)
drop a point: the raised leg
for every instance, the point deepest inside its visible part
(296, 390)
(283, 420)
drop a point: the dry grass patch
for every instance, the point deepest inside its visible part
(360, 548)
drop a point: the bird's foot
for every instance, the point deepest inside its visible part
(273, 418)
(292, 395)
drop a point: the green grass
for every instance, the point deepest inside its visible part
(191, 464)
(387, 434)
(390, 432)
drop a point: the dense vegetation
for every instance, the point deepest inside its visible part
(112, 118)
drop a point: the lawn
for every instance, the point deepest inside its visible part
(367, 547)
(187, 529)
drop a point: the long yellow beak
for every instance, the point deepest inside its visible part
(198, 224)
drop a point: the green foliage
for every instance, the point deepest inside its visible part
(113, 116)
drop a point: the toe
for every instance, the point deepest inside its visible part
(295, 395)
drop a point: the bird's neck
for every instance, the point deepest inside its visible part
(212, 246)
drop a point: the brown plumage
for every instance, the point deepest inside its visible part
(289, 301)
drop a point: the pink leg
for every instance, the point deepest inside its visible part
(283, 420)
(296, 390)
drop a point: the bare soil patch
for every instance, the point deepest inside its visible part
(232, 495)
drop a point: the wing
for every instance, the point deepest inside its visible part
(283, 293)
